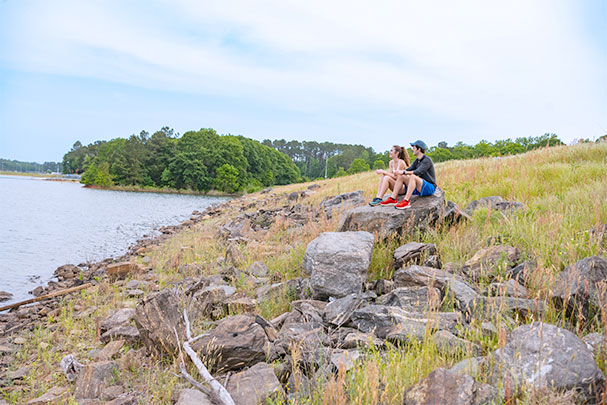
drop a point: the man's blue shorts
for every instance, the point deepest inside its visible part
(427, 189)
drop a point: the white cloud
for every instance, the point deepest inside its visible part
(513, 68)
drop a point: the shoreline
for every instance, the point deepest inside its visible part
(135, 189)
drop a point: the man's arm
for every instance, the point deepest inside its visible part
(422, 168)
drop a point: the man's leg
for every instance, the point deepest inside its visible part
(413, 183)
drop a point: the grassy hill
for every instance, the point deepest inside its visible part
(564, 189)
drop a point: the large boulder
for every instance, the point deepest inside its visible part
(386, 221)
(237, 341)
(121, 317)
(157, 317)
(338, 262)
(446, 387)
(580, 284)
(342, 201)
(486, 262)
(540, 355)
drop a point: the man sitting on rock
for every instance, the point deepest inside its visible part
(418, 179)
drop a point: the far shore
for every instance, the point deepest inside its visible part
(136, 189)
(45, 176)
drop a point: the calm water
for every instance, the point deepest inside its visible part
(45, 224)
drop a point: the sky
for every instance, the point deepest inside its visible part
(361, 72)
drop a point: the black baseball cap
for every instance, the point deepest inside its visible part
(420, 144)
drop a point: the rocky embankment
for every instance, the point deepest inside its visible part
(335, 313)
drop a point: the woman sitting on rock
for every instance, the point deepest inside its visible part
(399, 162)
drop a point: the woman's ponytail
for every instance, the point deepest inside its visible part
(405, 156)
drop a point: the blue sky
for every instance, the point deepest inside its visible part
(374, 73)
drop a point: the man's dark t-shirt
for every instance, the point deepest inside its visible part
(424, 168)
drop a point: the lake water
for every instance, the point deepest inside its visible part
(45, 224)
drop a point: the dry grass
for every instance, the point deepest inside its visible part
(564, 188)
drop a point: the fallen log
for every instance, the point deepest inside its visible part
(46, 296)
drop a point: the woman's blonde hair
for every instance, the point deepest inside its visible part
(402, 154)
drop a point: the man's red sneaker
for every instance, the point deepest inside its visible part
(388, 201)
(402, 205)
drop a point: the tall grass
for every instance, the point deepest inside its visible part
(563, 188)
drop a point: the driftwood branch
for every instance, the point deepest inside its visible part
(46, 296)
(218, 390)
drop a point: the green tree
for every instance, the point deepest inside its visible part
(358, 165)
(227, 179)
(379, 164)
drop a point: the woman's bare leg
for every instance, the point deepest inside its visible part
(384, 183)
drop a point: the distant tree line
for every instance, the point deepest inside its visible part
(17, 166)
(315, 159)
(442, 152)
(198, 160)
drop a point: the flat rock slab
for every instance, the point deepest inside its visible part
(386, 220)
(414, 299)
(338, 263)
(541, 355)
(121, 270)
(445, 387)
(254, 385)
(4, 296)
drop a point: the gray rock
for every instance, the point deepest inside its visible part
(386, 221)
(52, 396)
(110, 350)
(491, 308)
(258, 269)
(94, 378)
(472, 366)
(357, 339)
(447, 283)
(118, 318)
(454, 214)
(445, 387)
(254, 385)
(112, 392)
(413, 252)
(5, 296)
(233, 256)
(521, 273)
(237, 341)
(210, 298)
(541, 355)
(490, 202)
(157, 317)
(595, 342)
(128, 333)
(345, 359)
(508, 289)
(486, 262)
(395, 323)
(189, 396)
(339, 311)
(579, 285)
(447, 342)
(413, 299)
(433, 261)
(342, 201)
(338, 262)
